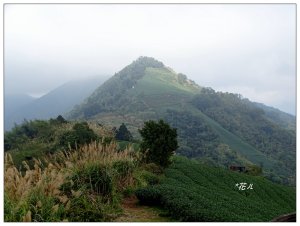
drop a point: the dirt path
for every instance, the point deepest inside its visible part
(133, 212)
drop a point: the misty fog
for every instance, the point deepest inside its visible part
(246, 49)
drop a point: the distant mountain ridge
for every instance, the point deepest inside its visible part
(13, 102)
(276, 116)
(219, 128)
(56, 102)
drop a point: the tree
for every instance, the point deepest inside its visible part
(159, 142)
(80, 134)
(58, 121)
(123, 133)
(61, 119)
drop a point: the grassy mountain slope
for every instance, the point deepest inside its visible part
(196, 192)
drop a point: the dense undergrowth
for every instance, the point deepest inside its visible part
(195, 192)
(86, 184)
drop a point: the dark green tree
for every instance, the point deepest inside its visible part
(123, 133)
(80, 134)
(159, 142)
(61, 119)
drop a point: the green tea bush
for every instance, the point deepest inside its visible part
(153, 168)
(191, 191)
(148, 196)
(150, 178)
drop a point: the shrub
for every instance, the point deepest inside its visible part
(129, 191)
(59, 120)
(153, 168)
(84, 134)
(150, 178)
(148, 196)
(123, 167)
(254, 170)
(85, 209)
(79, 135)
(98, 178)
(68, 139)
(44, 208)
(78, 185)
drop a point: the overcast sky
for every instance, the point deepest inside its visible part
(246, 49)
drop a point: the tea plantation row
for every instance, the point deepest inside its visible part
(195, 192)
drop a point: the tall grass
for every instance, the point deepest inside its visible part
(78, 185)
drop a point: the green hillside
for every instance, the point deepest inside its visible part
(244, 119)
(220, 128)
(164, 80)
(195, 192)
(234, 142)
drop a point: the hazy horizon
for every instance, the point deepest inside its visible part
(245, 49)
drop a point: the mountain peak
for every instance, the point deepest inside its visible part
(144, 76)
(148, 62)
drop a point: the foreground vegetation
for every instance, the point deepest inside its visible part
(77, 171)
(80, 185)
(192, 191)
(86, 184)
(85, 179)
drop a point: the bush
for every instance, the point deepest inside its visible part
(123, 167)
(150, 178)
(45, 208)
(85, 209)
(28, 131)
(80, 134)
(148, 196)
(68, 138)
(254, 170)
(96, 177)
(84, 134)
(153, 168)
(129, 191)
(59, 120)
